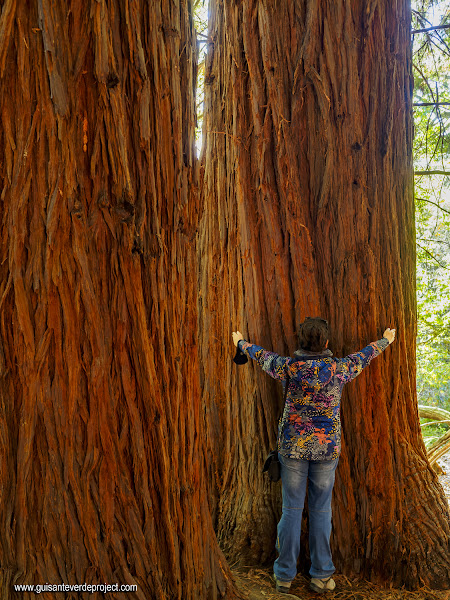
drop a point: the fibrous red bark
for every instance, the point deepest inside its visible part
(101, 455)
(308, 210)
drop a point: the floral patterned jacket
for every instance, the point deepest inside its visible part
(310, 426)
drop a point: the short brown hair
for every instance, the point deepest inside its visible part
(313, 334)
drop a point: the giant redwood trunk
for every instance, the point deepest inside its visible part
(308, 211)
(101, 453)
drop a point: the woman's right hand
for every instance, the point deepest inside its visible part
(389, 334)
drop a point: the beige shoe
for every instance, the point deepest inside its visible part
(322, 585)
(283, 587)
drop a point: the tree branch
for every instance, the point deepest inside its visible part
(431, 172)
(431, 103)
(432, 256)
(434, 423)
(434, 241)
(433, 412)
(425, 79)
(430, 29)
(435, 204)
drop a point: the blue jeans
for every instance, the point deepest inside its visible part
(294, 475)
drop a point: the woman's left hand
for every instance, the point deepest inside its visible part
(237, 335)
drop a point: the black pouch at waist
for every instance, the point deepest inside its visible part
(272, 466)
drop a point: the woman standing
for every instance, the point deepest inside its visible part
(309, 441)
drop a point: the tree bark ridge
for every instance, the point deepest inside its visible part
(99, 360)
(308, 210)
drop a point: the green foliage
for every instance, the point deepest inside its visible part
(431, 68)
(432, 432)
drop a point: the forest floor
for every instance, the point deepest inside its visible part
(258, 584)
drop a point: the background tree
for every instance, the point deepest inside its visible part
(101, 456)
(308, 210)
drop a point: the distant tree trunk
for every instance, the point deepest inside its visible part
(101, 453)
(308, 210)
